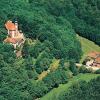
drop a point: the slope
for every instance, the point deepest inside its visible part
(52, 95)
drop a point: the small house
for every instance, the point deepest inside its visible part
(93, 59)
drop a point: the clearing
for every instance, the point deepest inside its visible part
(87, 46)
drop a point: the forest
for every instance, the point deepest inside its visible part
(50, 28)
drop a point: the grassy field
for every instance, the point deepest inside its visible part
(53, 94)
(87, 46)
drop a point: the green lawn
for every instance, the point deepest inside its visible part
(87, 46)
(53, 94)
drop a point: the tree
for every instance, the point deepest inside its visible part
(37, 89)
(55, 78)
(82, 91)
(73, 67)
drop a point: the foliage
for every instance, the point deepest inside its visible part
(73, 67)
(53, 79)
(37, 89)
(83, 69)
(97, 71)
(83, 91)
(49, 26)
(57, 92)
(16, 75)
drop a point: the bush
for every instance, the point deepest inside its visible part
(97, 71)
(37, 89)
(53, 79)
(73, 67)
(83, 69)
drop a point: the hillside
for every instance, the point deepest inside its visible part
(87, 46)
(53, 95)
(43, 35)
(50, 41)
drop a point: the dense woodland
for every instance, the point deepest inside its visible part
(50, 28)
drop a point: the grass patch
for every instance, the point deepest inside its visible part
(54, 65)
(42, 75)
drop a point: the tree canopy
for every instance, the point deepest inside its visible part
(50, 28)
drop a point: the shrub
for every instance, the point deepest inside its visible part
(83, 69)
(97, 71)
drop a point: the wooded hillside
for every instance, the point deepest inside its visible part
(51, 45)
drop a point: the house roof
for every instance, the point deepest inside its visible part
(10, 26)
(94, 54)
(10, 40)
(13, 40)
(97, 60)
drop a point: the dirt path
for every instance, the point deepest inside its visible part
(54, 65)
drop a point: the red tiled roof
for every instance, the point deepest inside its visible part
(10, 26)
(10, 40)
(93, 54)
(97, 60)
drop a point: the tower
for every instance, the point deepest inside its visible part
(16, 26)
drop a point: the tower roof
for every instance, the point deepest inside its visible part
(10, 26)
